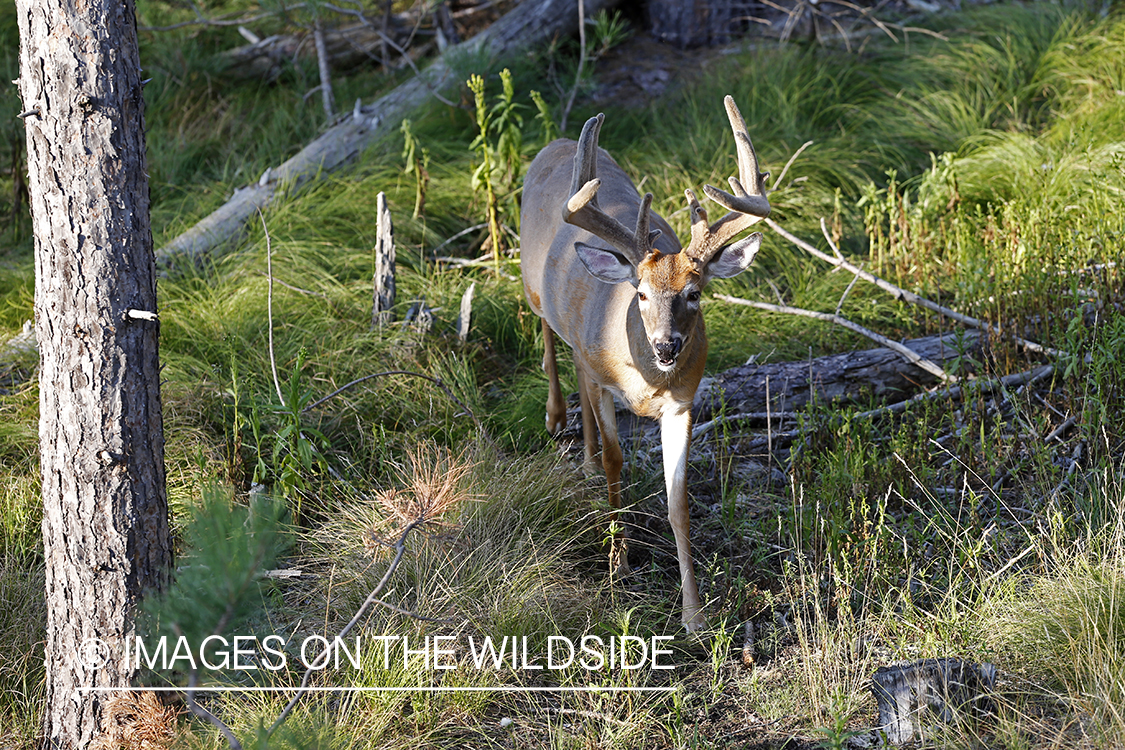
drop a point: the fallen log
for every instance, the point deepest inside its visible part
(530, 23)
(915, 696)
(347, 47)
(849, 377)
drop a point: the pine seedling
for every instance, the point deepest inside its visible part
(229, 547)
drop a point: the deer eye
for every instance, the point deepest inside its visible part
(693, 296)
(642, 296)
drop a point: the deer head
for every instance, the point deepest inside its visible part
(669, 284)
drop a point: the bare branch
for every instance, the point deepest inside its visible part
(901, 294)
(926, 364)
(269, 307)
(372, 598)
(789, 163)
(203, 713)
(581, 64)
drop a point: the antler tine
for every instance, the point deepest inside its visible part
(586, 158)
(582, 209)
(745, 207)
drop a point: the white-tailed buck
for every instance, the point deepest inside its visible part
(627, 302)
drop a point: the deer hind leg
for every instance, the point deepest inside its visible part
(556, 406)
(612, 461)
(675, 439)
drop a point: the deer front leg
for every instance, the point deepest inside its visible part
(589, 427)
(675, 439)
(556, 406)
(612, 460)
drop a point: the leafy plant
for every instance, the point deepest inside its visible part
(228, 548)
(499, 146)
(543, 115)
(417, 161)
(297, 446)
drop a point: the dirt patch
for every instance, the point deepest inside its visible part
(642, 69)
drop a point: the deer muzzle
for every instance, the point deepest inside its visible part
(666, 352)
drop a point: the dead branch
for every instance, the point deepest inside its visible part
(581, 64)
(898, 292)
(527, 25)
(372, 598)
(789, 163)
(894, 346)
(952, 393)
(324, 68)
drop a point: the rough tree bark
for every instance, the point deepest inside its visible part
(531, 23)
(105, 515)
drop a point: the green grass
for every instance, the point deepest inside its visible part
(984, 170)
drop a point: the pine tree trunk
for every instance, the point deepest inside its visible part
(105, 515)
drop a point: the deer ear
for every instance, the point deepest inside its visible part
(605, 265)
(734, 259)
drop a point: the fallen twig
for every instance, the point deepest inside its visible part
(769, 417)
(789, 163)
(459, 235)
(1056, 434)
(372, 598)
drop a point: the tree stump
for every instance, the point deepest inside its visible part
(383, 294)
(912, 696)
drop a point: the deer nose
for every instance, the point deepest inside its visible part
(666, 351)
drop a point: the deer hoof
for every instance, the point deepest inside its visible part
(555, 422)
(694, 621)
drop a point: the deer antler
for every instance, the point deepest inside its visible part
(746, 207)
(582, 209)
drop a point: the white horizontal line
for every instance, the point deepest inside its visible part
(439, 689)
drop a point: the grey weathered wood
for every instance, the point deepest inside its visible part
(690, 23)
(840, 377)
(912, 696)
(383, 294)
(419, 316)
(345, 47)
(530, 23)
(324, 67)
(105, 515)
(464, 317)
